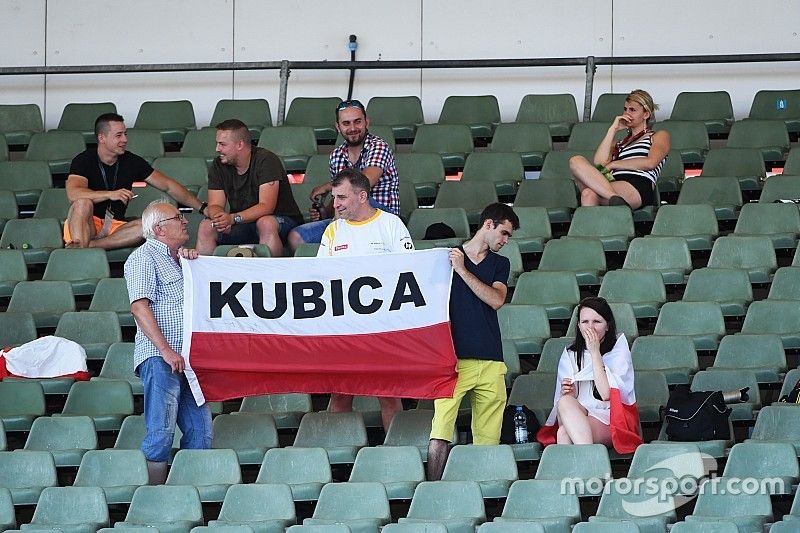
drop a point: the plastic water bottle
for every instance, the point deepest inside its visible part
(520, 426)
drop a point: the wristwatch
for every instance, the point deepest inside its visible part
(237, 218)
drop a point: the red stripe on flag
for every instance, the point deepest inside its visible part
(625, 430)
(415, 363)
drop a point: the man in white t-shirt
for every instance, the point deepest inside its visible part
(361, 229)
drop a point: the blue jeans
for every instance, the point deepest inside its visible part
(168, 400)
(248, 233)
(312, 231)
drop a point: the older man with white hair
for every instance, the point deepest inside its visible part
(155, 287)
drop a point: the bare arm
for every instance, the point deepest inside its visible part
(598, 367)
(658, 151)
(146, 321)
(174, 189)
(492, 295)
(78, 189)
(602, 155)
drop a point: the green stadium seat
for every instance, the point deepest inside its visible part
(132, 432)
(117, 472)
(172, 119)
(531, 141)
(774, 316)
(211, 472)
(511, 360)
(551, 353)
(493, 467)
(608, 107)
(307, 249)
(785, 284)
(472, 196)
(754, 254)
(778, 423)
(301, 192)
(70, 509)
(263, 508)
(556, 291)
(19, 122)
(318, 113)
(57, 148)
(191, 172)
(146, 144)
(728, 379)
(652, 393)
(250, 435)
(305, 470)
(776, 461)
(728, 287)
(201, 144)
(118, 365)
(3, 148)
(688, 137)
(410, 428)
(672, 173)
(111, 294)
(623, 316)
(770, 137)
(12, 271)
(80, 117)
(455, 217)
(106, 402)
(526, 325)
(579, 461)
(713, 108)
(16, 328)
(611, 225)
(293, 144)
(558, 111)
(37, 238)
(451, 141)
(619, 511)
(588, 135)
(342, 444)
(584, 257)
(642, 289)
(559, 197)
(779, 222)
(254, 112)
(8, 207)
(398, 468)
(555, 509)
(745, 164)
(780, 187)
(722, 193)
(144, 196)
(26, 179)
(556, 164)
(536, 392)
(534, 229)
(94, 330)
(82, 268)
(26, 473)
(408, 199)
(53, 203)
(170, 509)
(701, 321)
(480, 113)
(46, 301)
(417, 527)
(748, 511)
(402, 113)
(503, 168)
(285, 409)
(318, 170)
(8, 519)
(21, 402)
(778, 105)
(792, 165)
(67, 438)
(696, 224)
(363, 506)
(424, 171)
(456, 504)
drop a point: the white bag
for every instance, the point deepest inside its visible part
(46, 357)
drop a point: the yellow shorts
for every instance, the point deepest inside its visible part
(98, 225)
(484, 381)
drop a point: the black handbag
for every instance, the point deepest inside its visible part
(695, 416)
(793, 397)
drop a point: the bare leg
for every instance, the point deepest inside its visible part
(128, 235)
(573, 417)
(437, 457)
(562, 437)
(293, 241)
(389, 407)
(79, 222)
(206, 238)
(269, 234)
(596, 189)
(601, 433)
(340, 403)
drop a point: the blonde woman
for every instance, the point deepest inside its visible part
(625, 172)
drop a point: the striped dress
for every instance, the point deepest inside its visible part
(638, 148)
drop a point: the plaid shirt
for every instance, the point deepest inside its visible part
(151, 272)
(374, 153)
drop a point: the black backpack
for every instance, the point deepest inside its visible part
(507, 433)
(695, 416)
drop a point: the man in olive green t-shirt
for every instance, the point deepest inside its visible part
(254, 184)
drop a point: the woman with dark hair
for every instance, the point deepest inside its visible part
(594, 401)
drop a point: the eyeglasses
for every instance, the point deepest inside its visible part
(351, 103)
(176, 217)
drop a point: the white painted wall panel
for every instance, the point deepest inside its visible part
(22, 44)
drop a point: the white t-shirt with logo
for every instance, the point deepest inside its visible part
(382, 233)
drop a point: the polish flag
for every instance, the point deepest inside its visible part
(45, 357)
(624, 415)
(369, 326)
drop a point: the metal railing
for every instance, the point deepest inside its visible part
(590, 64)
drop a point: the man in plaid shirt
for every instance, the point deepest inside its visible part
(155, 286)
(363, 151)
